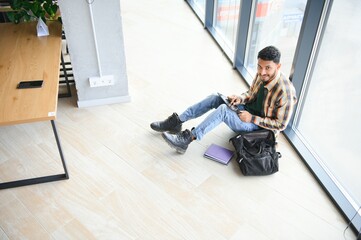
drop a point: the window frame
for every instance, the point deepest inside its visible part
(310, 38)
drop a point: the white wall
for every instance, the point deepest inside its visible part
(109, 34)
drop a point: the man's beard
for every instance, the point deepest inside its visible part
(270, 78)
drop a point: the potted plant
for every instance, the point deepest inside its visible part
(30, 10)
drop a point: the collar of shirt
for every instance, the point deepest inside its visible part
(271, 84)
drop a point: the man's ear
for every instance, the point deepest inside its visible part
(279, 66)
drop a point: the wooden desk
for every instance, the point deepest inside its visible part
(25, 57)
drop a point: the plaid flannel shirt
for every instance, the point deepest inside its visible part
(277, 105)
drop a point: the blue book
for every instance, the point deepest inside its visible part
(219, 154)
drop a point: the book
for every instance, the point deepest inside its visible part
(219, 154)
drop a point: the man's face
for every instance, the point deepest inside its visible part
(267, 70)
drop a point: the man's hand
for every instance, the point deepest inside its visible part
(234, 100)
(245, 116)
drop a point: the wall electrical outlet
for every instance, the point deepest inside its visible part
(101, 81)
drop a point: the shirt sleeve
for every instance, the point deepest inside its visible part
(248, 96)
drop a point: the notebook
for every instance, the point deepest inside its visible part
(218, 154)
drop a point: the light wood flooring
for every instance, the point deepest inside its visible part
(126, 183)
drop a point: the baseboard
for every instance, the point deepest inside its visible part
(103, 101)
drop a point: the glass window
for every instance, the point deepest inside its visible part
(200, 3)
(331, 115)
(277, 23)
(199, 7)
(226, 13)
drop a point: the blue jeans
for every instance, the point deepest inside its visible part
(222, 114)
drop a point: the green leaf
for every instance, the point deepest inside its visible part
(28, 9)
(36, 7)
(27, 5)
(11, 16)
(18, 17)
(54, 9)
(47, 8)
(27, 18)
(16, 4)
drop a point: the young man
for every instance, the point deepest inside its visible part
(267, 104)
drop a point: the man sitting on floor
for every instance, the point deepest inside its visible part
(267, 104)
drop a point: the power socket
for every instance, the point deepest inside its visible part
(102, 81)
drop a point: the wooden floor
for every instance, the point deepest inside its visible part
(126, 183)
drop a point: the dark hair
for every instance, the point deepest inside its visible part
(270, 53)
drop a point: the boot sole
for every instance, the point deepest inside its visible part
(178, 149)
(162, 131)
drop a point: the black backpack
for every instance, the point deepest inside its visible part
(256, 152)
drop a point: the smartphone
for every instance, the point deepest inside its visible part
(30, 84)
